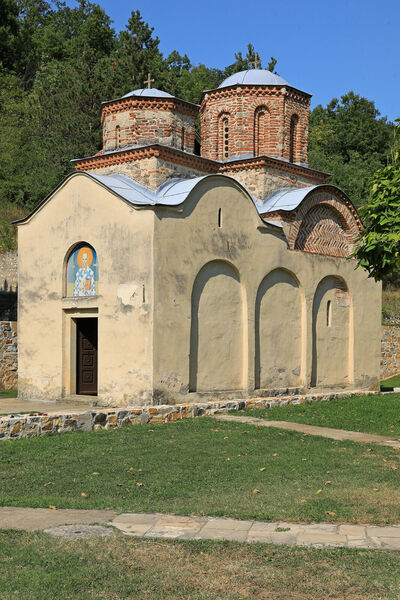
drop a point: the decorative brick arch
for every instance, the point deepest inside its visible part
(323, 231)
(326, 222)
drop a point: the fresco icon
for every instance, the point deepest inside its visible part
(82, 272)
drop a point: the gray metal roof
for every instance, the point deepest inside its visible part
(175, 191)
(253, 77)
(149, 93)
(171, 193)
(285, 199)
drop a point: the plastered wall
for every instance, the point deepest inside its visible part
(284, 326)
(79, 211)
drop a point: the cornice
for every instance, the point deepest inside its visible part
(254, 90)
(150, 103)
(199, 163)
(257, 162)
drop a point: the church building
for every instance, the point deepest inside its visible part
(172, 267)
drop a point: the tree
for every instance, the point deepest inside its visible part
(248, 62)
(349, 140)
(379, 248)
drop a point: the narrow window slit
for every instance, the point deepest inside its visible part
(220, 217)
(329, 313)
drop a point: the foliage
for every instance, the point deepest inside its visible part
(379, 248)
(351, 141)
(57, 64)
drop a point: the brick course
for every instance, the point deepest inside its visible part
(241, 104)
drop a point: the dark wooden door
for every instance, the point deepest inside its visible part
(86, 356)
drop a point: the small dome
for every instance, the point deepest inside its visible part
(253, 77)
(149, 93)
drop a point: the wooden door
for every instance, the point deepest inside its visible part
(86, 356)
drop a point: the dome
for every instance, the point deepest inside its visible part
(149, 93)
(253, 77)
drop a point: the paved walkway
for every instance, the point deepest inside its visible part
(321, 535)
(327, 432)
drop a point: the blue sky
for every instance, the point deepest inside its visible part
(323, 47)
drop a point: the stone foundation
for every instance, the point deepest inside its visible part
(390, 351)
(8, 355)
(22, 426)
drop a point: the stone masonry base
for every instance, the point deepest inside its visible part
(16, 426)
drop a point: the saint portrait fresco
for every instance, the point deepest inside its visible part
(82, 272)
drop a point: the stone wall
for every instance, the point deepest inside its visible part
(21, 426)
(390, 351)
(8, 286)
(8, 355)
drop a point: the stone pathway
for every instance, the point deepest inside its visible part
(327, 432)
(30, 519)
(320, 535)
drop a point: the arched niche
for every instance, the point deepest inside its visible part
(81, 271)
(279, 331)
(217, 330)
(323, 230)
(331, 334)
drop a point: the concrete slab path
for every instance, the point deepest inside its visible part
(30, 519)
(156, 525)
(327, 432)
(321, 535)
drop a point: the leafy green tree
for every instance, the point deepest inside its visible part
(349, 140)
(379, 248)
(248, 62)
(9, 34)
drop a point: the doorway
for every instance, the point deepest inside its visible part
(86, 356)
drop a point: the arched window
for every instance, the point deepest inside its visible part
(223, 137)
(261, 126)
(82, 272)
(182, 138)
(293, 137)
(118, 136)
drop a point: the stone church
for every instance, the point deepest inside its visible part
(173, 266)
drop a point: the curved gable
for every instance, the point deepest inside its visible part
(320, 220)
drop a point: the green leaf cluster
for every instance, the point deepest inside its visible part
(378, 251)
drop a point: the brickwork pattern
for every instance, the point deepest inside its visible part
(144, 121)
(8, 355)
(323, 231)
(22, 426)
(390, 351)
(324, 211)
(241, 104)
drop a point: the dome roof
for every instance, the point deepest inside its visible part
(253, 77)
(149, 93)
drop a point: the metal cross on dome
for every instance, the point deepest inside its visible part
(149, 81)
(256, 61)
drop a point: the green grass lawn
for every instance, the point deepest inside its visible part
(388, 384)
(202, 466)
(35, 566)
(8, 393)
(371, 414)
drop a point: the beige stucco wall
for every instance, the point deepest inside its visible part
(82, 210)
(186, 241)
(195, 299)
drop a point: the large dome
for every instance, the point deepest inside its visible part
(253, 77)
